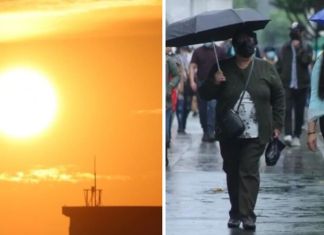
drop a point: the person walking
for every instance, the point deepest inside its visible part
(202, 61)
(172, 80)
(184, 91)
(262, 111)
(295, 59)
(316, 104)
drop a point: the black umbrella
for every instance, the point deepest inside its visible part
(213, 26)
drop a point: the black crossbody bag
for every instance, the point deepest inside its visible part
(231, 124)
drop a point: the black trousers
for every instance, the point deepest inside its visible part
(241, 164)
(295, 101)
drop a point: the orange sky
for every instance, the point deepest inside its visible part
(105, 64)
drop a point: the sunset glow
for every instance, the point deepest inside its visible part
(24, 19)
(78, 79)
(27, 103)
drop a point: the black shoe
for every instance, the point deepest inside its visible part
(233, 223)
(211, 138)
(182, 132)
(248, 223)
(205, 138)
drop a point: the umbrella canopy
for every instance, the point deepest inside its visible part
(213, 26)
(318, 17)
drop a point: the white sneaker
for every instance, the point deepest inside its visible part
(288, 139)
(295, 142)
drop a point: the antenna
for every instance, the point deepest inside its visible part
(95, 173)
(94, 199)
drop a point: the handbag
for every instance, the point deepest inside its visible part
(273, 150)
(231, 125)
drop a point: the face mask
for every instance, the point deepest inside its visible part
(245, 49)
(208, 44)
(271, 55)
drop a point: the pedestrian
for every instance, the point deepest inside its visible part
(172, 80)
(316, 105)
(295, 59)
(262, 111)
(202, 61)
(184, 91)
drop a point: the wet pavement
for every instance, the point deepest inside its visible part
(290, 202)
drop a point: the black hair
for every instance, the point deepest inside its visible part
(295, 32)
(185, 48)
(244, 31)
(321, 82)
(269, 48)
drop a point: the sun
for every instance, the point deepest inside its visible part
(28, 103)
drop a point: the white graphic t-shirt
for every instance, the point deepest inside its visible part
(248, 115)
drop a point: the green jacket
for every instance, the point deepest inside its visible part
(265, 88)
(304, 57)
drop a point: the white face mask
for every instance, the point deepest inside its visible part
(173, 49)
(208, 44)
(271, 55)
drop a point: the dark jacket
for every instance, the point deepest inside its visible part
(265, 88)
(304, 55)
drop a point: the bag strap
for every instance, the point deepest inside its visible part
(246, 85)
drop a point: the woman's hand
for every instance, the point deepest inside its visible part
(312, 141)
(193, 86)
(311, 136)
(219, 77)
(276, 133)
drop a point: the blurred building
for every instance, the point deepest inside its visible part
(179, 9)
(114, 220)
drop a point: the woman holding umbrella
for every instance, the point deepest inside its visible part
(253, 87)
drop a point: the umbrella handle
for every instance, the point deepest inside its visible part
(216, 56)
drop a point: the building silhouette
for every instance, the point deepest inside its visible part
(95, 219)
(114, 220)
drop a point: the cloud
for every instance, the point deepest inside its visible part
(148, 112)
(56, 174)
(71, 5)
(20, 19)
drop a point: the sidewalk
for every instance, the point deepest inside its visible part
(290, 202)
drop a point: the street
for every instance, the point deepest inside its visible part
(290, 201)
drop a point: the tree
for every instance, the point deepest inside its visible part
(276, 31)
(300, 11)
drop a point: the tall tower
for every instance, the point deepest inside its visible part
(92, 196)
